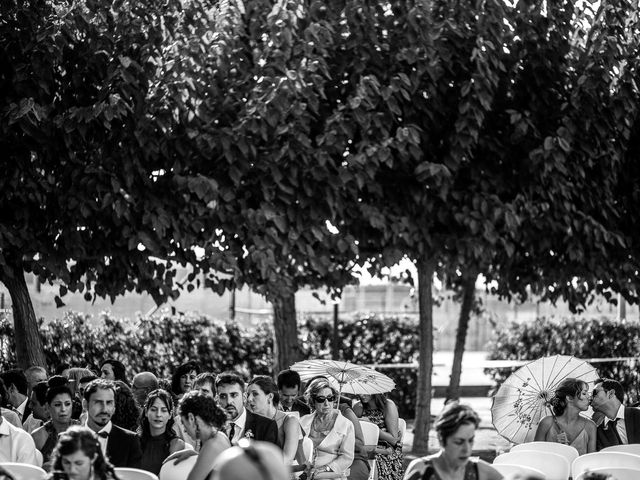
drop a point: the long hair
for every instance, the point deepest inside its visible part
(145, 431)
(204, 407)
(81, 438)
(126, 412)
(569, 387)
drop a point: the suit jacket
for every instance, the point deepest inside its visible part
(337, 449)
(607, 437)
(123, 448)
(261, 428)
(301, 407)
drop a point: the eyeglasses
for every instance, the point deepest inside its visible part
(331, 398)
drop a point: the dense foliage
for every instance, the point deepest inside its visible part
(160, 344)
(595, 338)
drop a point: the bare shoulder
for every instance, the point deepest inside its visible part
(589, 424)
(487, 472)
(417, 467)
(176, 445)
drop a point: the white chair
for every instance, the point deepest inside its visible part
(507, 470)
(170, 471)
(552, 465)
(24, 471)
(567, 451)
(617, 473)
(591, 461)
(371, 433)
(134, 474)
(632, 448)
(402, 424)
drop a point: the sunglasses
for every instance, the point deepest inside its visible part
(331, 398)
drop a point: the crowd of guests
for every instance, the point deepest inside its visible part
(80, 424)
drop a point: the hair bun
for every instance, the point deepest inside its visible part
(57, 381)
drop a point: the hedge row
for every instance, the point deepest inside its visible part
(159, 344)
(582, 338)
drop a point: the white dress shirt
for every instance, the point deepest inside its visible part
(239, 423)
(620, 426)
(16, 445)
(21, 408)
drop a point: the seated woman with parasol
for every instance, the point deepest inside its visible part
(566, 425)
(332, 434)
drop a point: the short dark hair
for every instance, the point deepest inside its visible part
(119, 370)
(40, 392)
(229, 378)
(289, 379)
(205, 377)
(182, 370)
(452, 417)
(58, 385)
(609, 384)
(16, 377)
(99, 384)
(87, 379)
(203, 406)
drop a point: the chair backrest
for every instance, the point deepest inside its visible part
(632, 448)
(567, 451)
(508, 470)
(591, 461)
(307, 448)
(552, 465)
(370, 432)
(24, 471)
(134, 474)
(170, 471)
(402, 424)
(617, 473)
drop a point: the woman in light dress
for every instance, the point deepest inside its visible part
(332, 434)
(262, 398)
(566, 425)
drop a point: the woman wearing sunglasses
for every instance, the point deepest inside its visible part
(332, 434)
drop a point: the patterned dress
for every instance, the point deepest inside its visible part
(425, 471)
(390, 467)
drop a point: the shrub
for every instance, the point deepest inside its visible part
(582, 338)
(159, 344)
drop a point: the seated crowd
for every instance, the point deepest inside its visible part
(80, 425)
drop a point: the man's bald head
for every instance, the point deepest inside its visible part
(143, 383)
(255, 460)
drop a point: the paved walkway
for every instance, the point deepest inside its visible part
(487, 440)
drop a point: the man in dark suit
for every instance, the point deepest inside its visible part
(620, 424)
(17, 387)
(289, 390)
(121, 446)
(242, 423)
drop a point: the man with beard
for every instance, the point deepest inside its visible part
(121, 446)
(242, 423)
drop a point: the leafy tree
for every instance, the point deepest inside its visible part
(87, 162)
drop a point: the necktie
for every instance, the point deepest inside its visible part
(232, 432)
(613, 425)
(103, 434)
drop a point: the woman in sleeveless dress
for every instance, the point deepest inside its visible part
(262, 398)
(566, 425)
(203, 419)
(60, 404)
(456, 427)
(378, 409)
(157, 437)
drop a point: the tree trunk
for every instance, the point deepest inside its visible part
(468, 295)
(286, 349)
(29, 350)
(426, 269)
